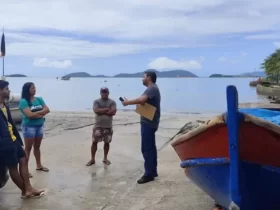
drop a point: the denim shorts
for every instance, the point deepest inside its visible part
(32, 131)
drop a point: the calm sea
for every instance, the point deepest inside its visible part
(194, 95)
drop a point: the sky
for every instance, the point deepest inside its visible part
(56, 37)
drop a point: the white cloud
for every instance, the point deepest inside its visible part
(263, 36)
(166, 63)
(201, 59)
(45, 62)
(276, 44)
(234, 60)
(22, 44)
(254, 13)
(131, 26)
(243, 54)
(142, 19)
(222, 59)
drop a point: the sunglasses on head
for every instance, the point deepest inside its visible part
(104, 91)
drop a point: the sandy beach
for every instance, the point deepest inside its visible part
(72, 185)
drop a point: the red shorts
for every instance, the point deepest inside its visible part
(102, 134)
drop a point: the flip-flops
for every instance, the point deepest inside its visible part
(90, 163)
(33, 196)
(107, 162)
(43, 169)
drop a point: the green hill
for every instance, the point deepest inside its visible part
(163, 74)
(78, 74)
(16, 75)
(248, 74)
(220, 75)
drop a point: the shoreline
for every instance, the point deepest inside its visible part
(133, 111)
(58, 122)
(166, 112)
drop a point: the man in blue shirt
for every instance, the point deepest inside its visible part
(148, 127)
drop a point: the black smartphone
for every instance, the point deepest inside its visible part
(121, 99)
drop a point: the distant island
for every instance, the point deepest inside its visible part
(162, 74)
(254, 74)
(248, 74)
(220, 75)
(166, 74)
(15, 75)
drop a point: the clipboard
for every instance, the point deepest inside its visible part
(146, 110)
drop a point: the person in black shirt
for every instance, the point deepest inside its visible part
(12, 153)
(148, 127)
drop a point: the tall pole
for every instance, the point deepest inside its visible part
(3, 66)
(3, 70)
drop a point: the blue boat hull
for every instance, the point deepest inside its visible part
(259, 185)
(239, 171)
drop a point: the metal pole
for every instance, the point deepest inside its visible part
(3, 66)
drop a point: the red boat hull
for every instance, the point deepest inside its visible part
(257, 144)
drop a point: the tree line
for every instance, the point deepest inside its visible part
(271, 66)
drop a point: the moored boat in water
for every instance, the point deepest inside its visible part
(253, 83)
(234, 156)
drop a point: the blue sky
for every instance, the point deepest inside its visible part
(55, 37)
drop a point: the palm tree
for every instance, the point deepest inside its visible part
(271, 65)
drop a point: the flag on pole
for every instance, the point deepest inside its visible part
(3, 47)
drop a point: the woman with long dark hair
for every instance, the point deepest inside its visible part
(33, 109)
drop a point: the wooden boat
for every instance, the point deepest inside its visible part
(234, 158)
(253, 83)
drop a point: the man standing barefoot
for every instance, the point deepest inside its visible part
(148, 127)
(12, 154)
(104, 109)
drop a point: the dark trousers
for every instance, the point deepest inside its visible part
(149, 149)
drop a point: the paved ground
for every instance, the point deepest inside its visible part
(73, 186)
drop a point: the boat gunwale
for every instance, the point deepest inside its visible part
(221, 120)
(198, 162)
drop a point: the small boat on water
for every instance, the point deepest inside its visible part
(253, 83)
(234, 156)
(65, 78)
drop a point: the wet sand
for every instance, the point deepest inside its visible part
(73, 186)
